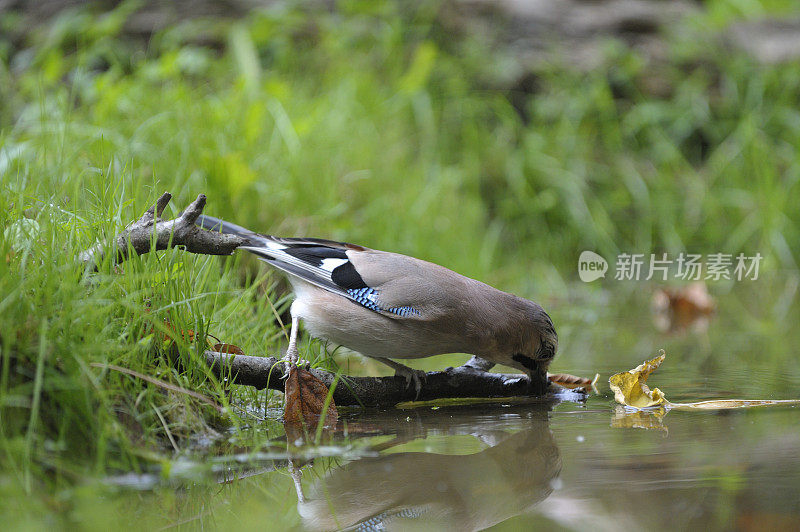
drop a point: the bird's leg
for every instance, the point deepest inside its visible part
(291, 352)
(292, 356)
(410, 374)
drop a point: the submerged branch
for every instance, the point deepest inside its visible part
(458, 382)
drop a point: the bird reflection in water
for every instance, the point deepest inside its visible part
(467, 492)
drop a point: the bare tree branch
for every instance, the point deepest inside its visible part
(458, 382)
(151, 232)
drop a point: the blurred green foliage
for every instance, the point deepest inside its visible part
(373, 123)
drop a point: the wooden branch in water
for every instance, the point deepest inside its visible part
(458, 382)
(150, 233)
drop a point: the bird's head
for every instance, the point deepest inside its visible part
(537, 346)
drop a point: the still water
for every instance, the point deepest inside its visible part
(569, 463)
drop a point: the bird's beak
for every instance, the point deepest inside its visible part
(539, 382)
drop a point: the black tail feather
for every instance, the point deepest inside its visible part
(215, 224)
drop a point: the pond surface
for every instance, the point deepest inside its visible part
(535, 464)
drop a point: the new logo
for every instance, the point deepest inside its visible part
(591, 266)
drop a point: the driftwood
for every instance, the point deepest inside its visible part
(150, 229)
(458, 382)
(151, 233)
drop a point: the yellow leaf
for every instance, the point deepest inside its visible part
(630, 389)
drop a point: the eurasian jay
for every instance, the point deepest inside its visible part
(386, 305)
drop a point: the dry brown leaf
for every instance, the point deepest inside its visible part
(570, 381)
(305, 399)
(228, 348)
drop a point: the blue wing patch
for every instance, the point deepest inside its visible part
(368, 297)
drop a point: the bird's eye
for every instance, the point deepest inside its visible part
(546, 351)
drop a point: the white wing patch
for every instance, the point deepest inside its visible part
(320, 273)
(330, 264)
(274, 245)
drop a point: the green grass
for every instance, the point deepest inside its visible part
(372, 125)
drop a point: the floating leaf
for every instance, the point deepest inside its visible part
(726, 404)
(570, 381)
(306, 398)
(630, 389)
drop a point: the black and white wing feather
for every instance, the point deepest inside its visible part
(324, 263)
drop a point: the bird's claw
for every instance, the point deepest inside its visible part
(412, 375)
(288, 363)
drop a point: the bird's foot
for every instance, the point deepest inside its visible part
(416, 376)
(288, 362)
